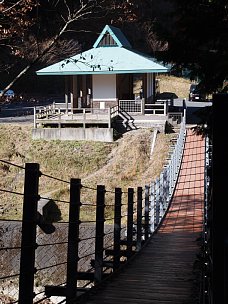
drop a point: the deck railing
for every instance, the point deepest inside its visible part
(132, 106)
(57, 114)
(138, 106)
(70, 258)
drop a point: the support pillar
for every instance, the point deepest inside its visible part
(219, 200)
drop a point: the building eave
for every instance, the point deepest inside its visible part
(103, 72)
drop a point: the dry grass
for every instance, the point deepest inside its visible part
(62, 159)
(177, 85)
(125, 163)
(129, 162)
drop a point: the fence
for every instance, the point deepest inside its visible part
(206, 280)
(55, 114)
(132, 106)
(139, 106)
(65, 247)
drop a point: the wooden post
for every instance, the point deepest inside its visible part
(165, 107)
(117, 228)
(139, 219)
(66, 92)
(28, 241)
(219, 201)
(146, 224)
(73, 236)
(84, 118)
(130, 222)
(34, 121)
(143, 106)
(99, 242)
(59, 121)
(109, 118)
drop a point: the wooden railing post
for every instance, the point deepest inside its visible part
(99, 242)
(34, 119)
(28, 241)
(84, 118)
(109, 118)
(130, 222)
(219, 223)
(165, 107)
(73, 237)
(117, 228)
(139, 219)
(146, 224)
(143, 106)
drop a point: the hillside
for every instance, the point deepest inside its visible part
(124, 163)
(177, 85)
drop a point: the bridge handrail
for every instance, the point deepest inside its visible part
(110, 246)
(162, 189)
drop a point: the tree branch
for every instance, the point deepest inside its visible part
(11, 7)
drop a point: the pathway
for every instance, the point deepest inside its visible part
(164, 272)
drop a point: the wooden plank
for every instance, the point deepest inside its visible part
(162, 273)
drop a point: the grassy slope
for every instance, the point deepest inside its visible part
(125, 163)
(62, 159)
(177, 85)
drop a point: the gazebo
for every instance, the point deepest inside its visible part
(107, 82)
(109, 74)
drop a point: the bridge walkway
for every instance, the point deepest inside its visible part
(164, 272)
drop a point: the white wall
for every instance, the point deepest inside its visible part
(104, 87)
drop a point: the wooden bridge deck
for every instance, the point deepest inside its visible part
(163, 273)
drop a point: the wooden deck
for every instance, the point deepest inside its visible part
(163, 273)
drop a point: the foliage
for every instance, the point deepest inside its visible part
(196, 34)
(29, 37)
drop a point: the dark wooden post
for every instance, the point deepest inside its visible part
(219, 200)
(130, 222)
(146, 224)
(73, 237)
(117, 228)
(99, 242)
(28, 241)
(139, 219)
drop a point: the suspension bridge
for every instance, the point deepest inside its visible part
(164, 272)
(146, 253)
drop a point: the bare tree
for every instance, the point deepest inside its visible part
(30, 39)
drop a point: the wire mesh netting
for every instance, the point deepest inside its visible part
(10, 249)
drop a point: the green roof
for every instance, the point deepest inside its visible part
(104, 59)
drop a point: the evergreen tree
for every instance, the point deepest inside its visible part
(196, 36)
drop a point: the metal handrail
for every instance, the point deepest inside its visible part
(162, 189)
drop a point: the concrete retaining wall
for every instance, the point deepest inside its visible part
(94, 134)
(159, 125)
